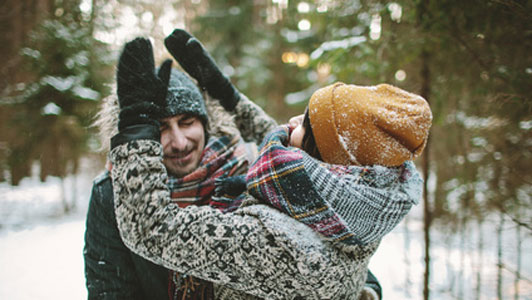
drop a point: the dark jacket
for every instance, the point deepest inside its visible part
(112, 271)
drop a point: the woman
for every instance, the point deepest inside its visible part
(335, 167)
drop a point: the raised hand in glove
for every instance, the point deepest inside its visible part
(141, 92)
(197, 62)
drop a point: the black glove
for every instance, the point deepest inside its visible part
(197, 62)
(232, 186)
(141, 92)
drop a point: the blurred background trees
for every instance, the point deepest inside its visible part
(470, 59)
(52, 82)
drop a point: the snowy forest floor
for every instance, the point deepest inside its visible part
(41, 250)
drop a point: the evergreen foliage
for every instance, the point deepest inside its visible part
(470, 59)
(50, 114)
(479, 80)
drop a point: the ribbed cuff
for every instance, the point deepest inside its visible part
(136, 132)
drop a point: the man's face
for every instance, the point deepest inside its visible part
(183, 140)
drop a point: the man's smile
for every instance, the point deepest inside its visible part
(180, 157)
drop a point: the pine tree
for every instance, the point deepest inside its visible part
(52, 111)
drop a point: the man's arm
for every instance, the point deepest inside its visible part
(109, 269)
(257, 249)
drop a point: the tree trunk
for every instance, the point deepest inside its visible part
(480, 258)
(73, 200)
(427, 220)
(64, 201)
(460, 281)
(518, 263)
(427, 214)
(422, 8)
(408, 271)
(451, 276)
(499, 255)
(277, 95)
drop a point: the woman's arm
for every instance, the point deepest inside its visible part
(372, 201)
(257, 249)
(252, 121)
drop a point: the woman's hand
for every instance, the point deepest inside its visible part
(141, 92)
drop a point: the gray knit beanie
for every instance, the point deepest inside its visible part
(184, 97)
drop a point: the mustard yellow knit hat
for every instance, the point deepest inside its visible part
(368, 125)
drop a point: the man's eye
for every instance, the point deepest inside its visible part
(187, 122)
(163, 127)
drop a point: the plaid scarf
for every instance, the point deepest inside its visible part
(222, 157)
(281, 177)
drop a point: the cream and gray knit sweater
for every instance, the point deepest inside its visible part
(255, 251)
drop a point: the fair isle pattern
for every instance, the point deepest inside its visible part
(257, 249)
(222, 123)
(252, 122)
(350, 204)
(223, 293)
(222, 157)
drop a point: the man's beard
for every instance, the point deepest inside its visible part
(177, 169)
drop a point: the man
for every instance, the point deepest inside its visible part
(112, 271)
(193, 157)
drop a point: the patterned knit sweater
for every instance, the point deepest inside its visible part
(255, 251)
(349, 204)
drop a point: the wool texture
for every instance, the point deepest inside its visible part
(141, 92)
(348, 204)
(369, 125)
(255, 249)
(197, 62)
(222, 157)
(184, 97)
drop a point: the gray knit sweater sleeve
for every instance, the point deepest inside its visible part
(252, 121)
(256, 249)
(371, 206)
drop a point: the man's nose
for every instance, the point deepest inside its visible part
(178, 139)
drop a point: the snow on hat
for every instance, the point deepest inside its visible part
(367, 125)
(184, 97)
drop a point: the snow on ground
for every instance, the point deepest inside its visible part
(43, 262)
(454, 274)
(41, 251)
(41, 248)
